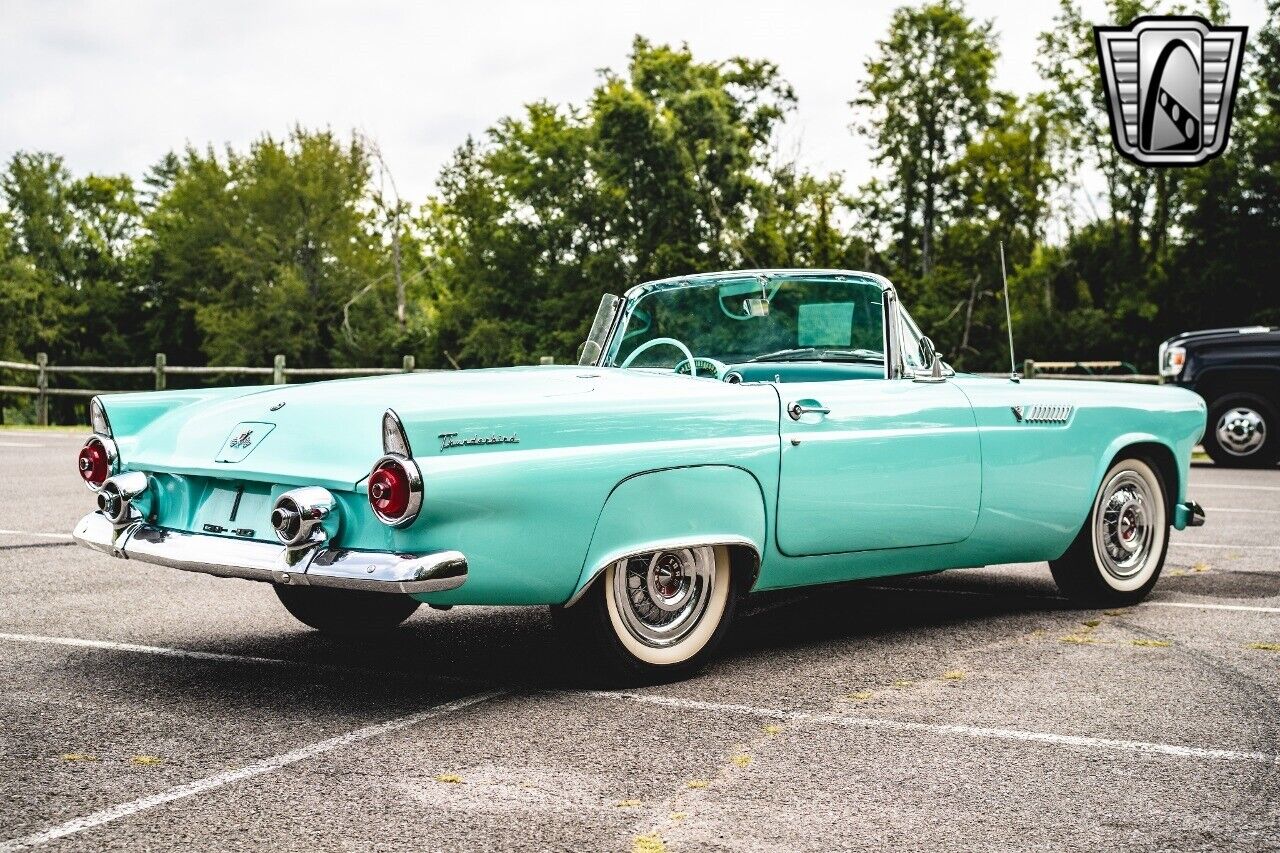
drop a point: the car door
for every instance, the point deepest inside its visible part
(876, 463)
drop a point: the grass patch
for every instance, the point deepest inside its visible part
(1113, 613)
(1079, 639)
(697, 783)
(1091, 623)
(1264, 647)
(146, 760)
(860, 696)
(78, 756)
(1201, 567)
(677, 816)
(741, 760)
(773, 729)
(648, 844)
(1153, 644)
(953, 675)
(629, 804)
(449, 778)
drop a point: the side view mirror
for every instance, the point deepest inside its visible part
(932, 362)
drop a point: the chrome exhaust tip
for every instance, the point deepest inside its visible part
(117, 494)
(306, 515)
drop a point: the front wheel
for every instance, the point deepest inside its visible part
(344, 611)
(657, 616)
(1118, 554)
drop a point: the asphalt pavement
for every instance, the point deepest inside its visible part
(145, 708)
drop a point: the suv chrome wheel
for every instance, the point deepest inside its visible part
(1241, 431)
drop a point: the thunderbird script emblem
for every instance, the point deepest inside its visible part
(1170, 84)
(242, 441)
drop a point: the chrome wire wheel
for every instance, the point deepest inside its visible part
(1129, 525)
(1241, 431)
(661, 597)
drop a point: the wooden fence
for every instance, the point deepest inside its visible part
(279, 372)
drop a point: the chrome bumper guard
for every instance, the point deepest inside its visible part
(309, 565)
(1188, 514)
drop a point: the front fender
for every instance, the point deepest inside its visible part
(698, 505)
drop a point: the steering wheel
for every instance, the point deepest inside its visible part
(648, 345)
(717, 367)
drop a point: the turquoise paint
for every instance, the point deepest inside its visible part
(919, 478)
(652, 508)
(894, 464)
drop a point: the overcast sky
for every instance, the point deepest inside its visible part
(113, 86)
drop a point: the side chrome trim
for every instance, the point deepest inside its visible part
(729, 540)
(316, 565)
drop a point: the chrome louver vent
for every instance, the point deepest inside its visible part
(1041, 414)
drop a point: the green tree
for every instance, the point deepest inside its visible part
(927, 95)
(664, 171)
(275, 250)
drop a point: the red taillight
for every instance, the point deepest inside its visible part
(390, 490)
(94, 463)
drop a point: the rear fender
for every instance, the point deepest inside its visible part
(678, 507)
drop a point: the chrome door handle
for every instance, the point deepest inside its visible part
(798, 410)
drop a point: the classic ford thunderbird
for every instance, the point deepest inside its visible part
(721, 434)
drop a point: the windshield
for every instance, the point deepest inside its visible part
(754, 319)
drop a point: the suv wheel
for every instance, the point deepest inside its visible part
(1242, 432)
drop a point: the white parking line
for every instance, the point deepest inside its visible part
(1248, 608)
(1239, 509)
(1224, 547)
(981, 732)
(18, 444)
(39, 533)
(1193, 486)
(151, 650)
(218, 780)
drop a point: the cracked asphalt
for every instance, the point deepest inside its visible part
(144, 708)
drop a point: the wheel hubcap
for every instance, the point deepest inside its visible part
(661, 596)
(1125, 525)
(1241, 431)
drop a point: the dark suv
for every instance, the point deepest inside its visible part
(1237, 371)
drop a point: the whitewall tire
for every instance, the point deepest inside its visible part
(657, 616)
(1118, 554)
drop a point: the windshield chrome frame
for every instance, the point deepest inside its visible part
(894, 367)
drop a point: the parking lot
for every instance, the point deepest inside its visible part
(145, 708)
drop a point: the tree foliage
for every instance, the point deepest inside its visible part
(300, 244)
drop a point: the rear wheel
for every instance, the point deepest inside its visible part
(657, 616)
(1242, 432)
(343, 611)
(1118, 554)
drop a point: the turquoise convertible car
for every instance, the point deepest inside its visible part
(721, 434)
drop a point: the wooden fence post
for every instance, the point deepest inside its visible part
(1029, 369)
(408, 364)
(161, 362)
(42, 389)
(547, 359)
(277, 377)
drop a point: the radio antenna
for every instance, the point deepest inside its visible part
(1008, 316)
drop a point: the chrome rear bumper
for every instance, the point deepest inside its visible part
(311, 565)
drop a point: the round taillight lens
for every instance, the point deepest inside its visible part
(94, 463)
(389, 490)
